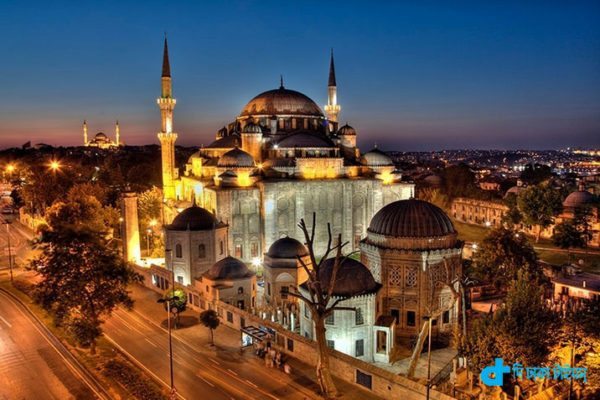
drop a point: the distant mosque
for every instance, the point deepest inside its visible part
(101, 140)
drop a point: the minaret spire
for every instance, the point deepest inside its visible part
(281, 82)
(166, 66)
(332, 109)
(331, 71)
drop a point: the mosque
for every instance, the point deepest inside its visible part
(240, 198)
(100, 139)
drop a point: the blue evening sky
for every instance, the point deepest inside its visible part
(411, 75)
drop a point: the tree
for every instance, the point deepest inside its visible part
(434, 196)
(513, 217)
(524, 325)
(459, 181)
(150, 215)
(319, 298)
(177, 306)
(539, 205)
(82, 282)
(522, 329)
(534, 174)
(210, 319)
(501, 255)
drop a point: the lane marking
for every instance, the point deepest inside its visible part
(233, 372)
(251, 383)
(5, 321)
(149, 341)
(205, 381)
(214, 361)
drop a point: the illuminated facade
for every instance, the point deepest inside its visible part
(280, 160)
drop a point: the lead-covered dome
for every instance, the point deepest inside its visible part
(281, 101)
(578, 199)
(287, 247)
(236, 158)
(228, 268)
(193, 218)
(251, 127)
(305, 139)
(347, 130)
(411, 219)
(376, 158)
(353, 278)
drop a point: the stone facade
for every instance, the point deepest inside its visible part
(478, 212)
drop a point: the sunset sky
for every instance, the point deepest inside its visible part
(410, 75)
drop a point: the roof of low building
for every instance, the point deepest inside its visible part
(591, 281)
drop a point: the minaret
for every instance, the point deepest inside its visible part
(166, 136)
(117, 134)
(85, 136)
(332, 109)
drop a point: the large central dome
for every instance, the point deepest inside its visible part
(281, 101)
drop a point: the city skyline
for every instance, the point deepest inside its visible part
(409, 77)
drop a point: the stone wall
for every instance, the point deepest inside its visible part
(382, 382)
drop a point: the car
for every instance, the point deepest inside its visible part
(7, 210)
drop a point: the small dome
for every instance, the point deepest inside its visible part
(251, 127)
(281, 102)
(228, 268)
(305, 139)
(353, 278)
(578, 199)
(411, 219)
(236, 158)
(376, 158)
(101, 136)
(513, 190)
(193, 218)
(347, 130)
(287, 247)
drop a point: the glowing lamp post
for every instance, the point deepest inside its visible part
(168, 300)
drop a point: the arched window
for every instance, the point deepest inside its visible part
(201, 251)
(178, 251)
(240, 290)
(221, 247)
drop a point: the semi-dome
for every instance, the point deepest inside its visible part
(193, 218)
(578, 199)
(287, 247)
(237, 158)
(376, 158)
(251, 127)
(281, 102)
(347, 130)
(305, 139)
(228, 268)
(352, 279)
(411, 219)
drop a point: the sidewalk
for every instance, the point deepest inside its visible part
(227, 347)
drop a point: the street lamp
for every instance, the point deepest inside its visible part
(168, 300)
(54, 165)
(428, 319)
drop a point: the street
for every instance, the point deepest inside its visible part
(197, 368)
(33, 364)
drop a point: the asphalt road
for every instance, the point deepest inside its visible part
(33, 364)
(198, 373)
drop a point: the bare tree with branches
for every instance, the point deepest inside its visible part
(320, 299)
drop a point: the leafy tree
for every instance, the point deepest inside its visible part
(534, 174)
(459, 181)
(150, 217)
(210, 319)
(567, 236)
(177, 306)
(82, 282)
(524, 326)
(513, 217)
(501, 255)
(522, 329)
(435, 196)
(539, 205)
